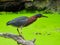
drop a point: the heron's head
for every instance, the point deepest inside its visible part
(40, 15)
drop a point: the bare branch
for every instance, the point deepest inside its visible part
(14, 37)
(18, 38)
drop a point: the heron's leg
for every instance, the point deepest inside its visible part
(21, 29)
(18, 31)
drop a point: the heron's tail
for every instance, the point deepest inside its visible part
(8, 23)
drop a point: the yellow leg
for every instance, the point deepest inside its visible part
(18, 31)
(21, 29)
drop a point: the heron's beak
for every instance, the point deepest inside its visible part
(45, 16)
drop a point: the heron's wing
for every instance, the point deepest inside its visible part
(20, 21)
(21, 18)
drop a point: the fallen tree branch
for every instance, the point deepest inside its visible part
(19, 39)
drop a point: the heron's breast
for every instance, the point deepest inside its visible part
(31, 20)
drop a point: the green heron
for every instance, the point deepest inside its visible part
(24, 21)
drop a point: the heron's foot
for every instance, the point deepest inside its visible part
(20, 33)
(21, 36)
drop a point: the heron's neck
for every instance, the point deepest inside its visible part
(32, 19)
(35, 17)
